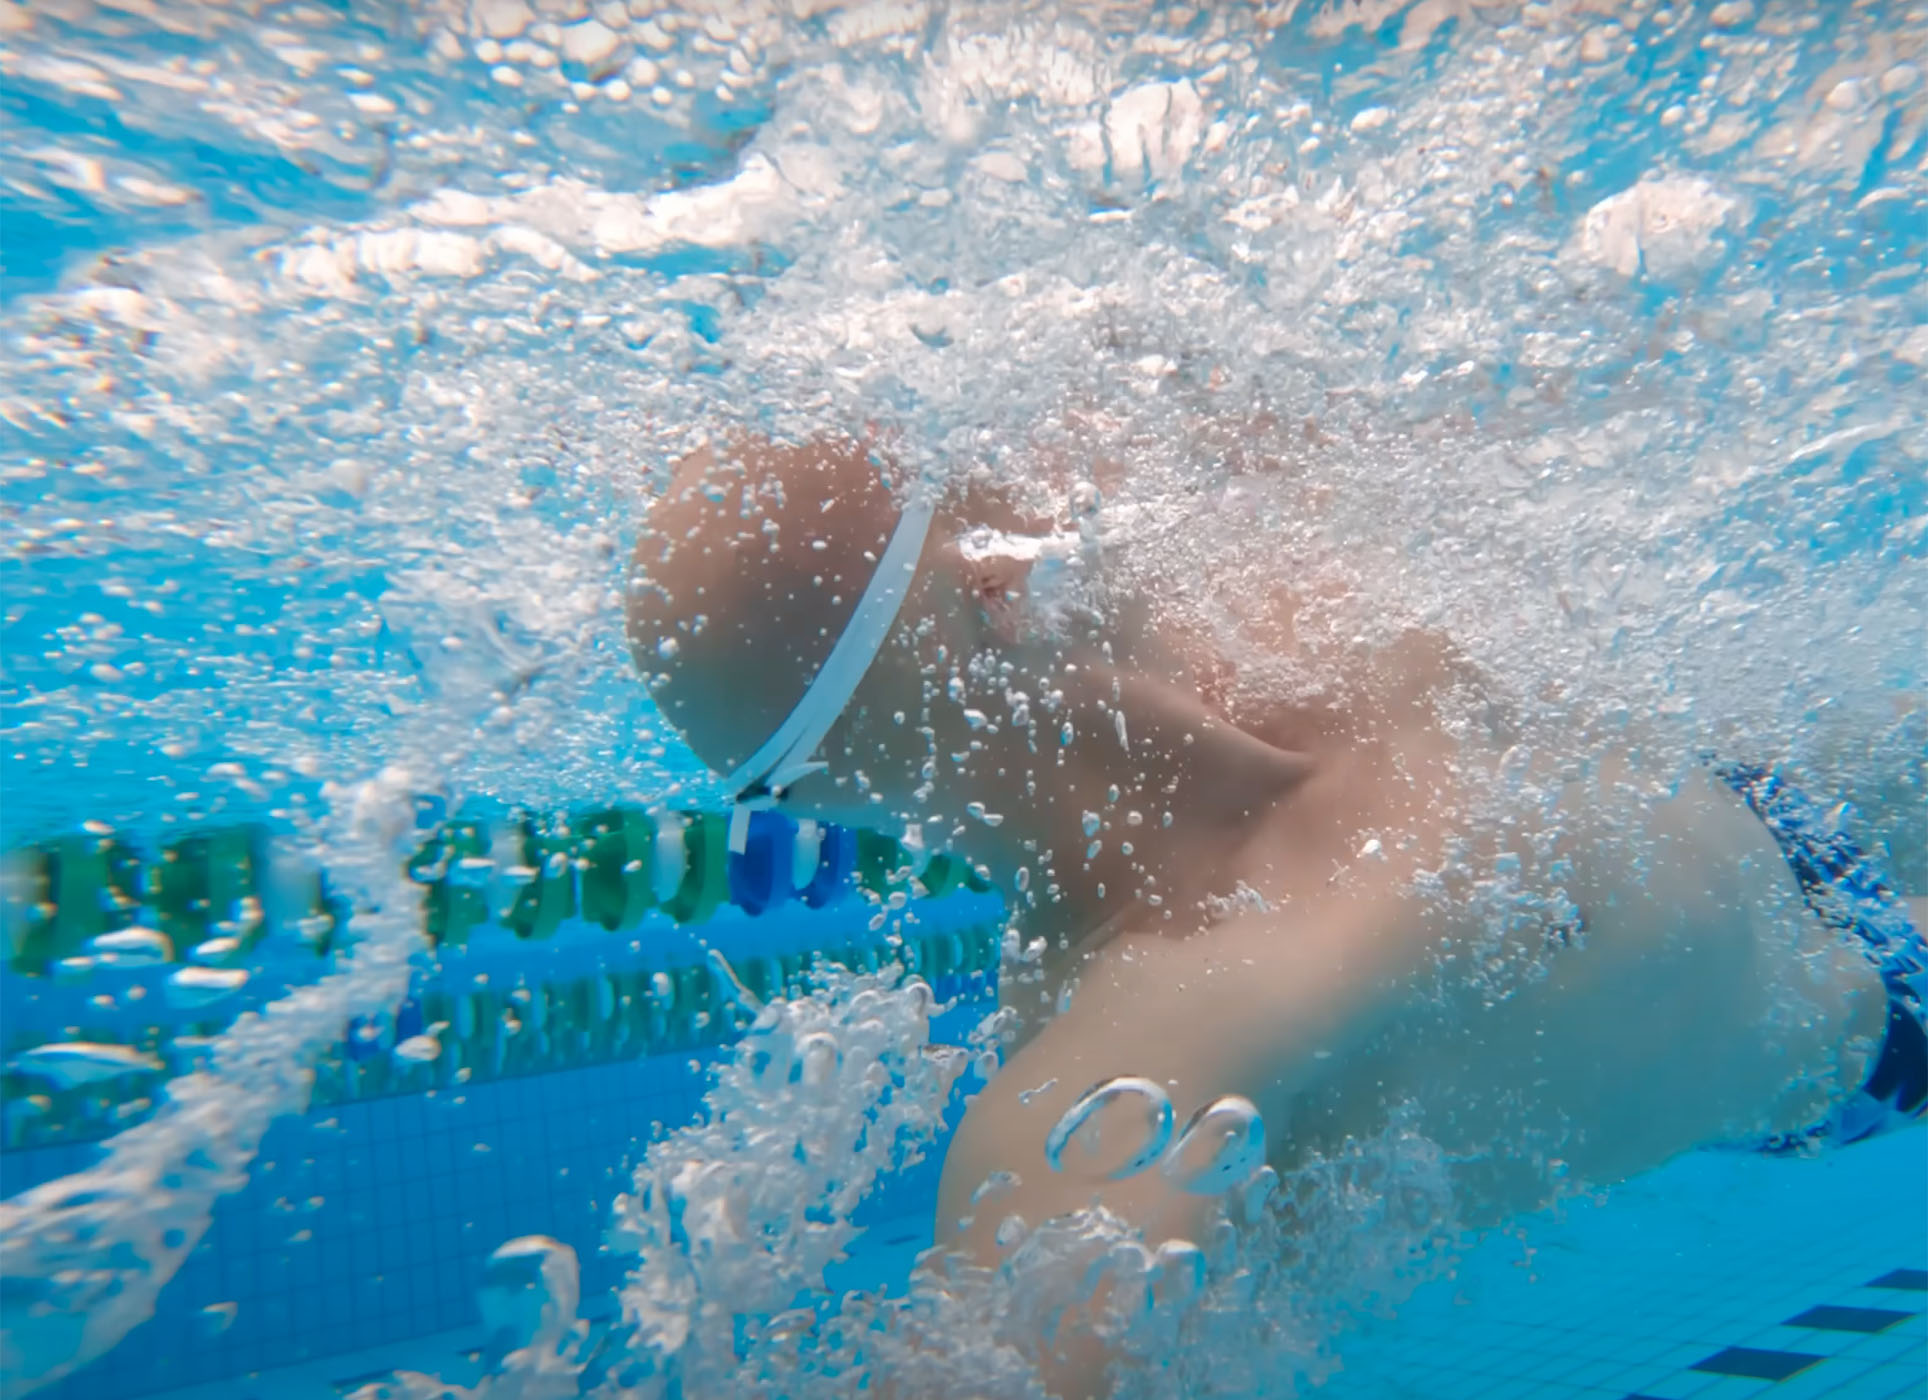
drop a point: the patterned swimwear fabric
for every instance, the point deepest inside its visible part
(1846, 891)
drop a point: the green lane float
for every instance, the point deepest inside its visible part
(706, 869)
(86, 912)
(207, 887)
(453, 864)
(73, 890)
(618, 867)
(548, 853)
(203, 900)
(882, 863)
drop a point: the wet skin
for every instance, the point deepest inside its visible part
(1690, 999)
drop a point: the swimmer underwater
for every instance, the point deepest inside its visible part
(1243, 893)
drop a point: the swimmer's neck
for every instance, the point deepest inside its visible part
(1134, 822)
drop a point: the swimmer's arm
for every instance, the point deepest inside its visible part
(1245, 1008)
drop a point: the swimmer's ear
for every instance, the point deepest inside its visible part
(994, 586)
(1233, 774)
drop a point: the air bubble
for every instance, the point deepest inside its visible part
(530, 1289)
(1222, 1145)
(818, 1057)
(768, 1060)
(996, 1184)
(1116, 1129)
(1254, 1194)
(1178, 1271)
(1129, 1268)
(419, 1049)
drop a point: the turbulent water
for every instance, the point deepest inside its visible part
(344, 345)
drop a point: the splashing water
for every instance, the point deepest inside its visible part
(85, 1255)
(732, 1222)
(343, 347)
(529, 1294)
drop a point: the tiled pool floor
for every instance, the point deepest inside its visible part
(1700, 1281)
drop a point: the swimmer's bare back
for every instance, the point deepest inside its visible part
(1249, 903)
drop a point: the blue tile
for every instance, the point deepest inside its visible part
(1675, 1387)
(1823, 1380)
(1510, 1389)
(1799, 1339)
(1874, 1383)
(1884, 1346)
(1596, 1373)
(1734, 1388)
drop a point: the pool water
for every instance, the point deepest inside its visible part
(374, 968)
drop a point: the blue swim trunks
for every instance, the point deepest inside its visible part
(1843, 887)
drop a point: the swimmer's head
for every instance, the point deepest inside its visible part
(752, 565)
(986, 716)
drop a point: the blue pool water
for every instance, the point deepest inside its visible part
(345, 346)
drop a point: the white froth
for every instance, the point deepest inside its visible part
(1661, 229)
(1404, 345)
